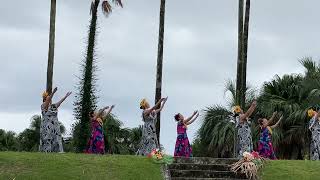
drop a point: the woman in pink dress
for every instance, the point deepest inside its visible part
(96, 143)
(183, 147)
(265, 147)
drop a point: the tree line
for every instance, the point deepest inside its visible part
(292, 95)
(119, 140)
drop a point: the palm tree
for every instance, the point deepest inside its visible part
(245, 51)
(86, 99)
(216, 136)
(293, 95)
(120, 140)
(239, 94)
(243, 33)
(135, 138)
(51, 46)
(160, 62)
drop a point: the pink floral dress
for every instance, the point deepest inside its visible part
(183, 147)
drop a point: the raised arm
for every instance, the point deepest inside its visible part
(272, 117)
(276, 125)
(109, 110)
(100, 112)
(162, 105)
(249, 112)
(186, 121)
(63, 99)
(49, 98)
(148, 111)
(192, 120)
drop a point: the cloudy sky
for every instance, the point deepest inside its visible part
(199, 55)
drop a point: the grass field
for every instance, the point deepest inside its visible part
(39, 166)
(24, 166)
(291, 170)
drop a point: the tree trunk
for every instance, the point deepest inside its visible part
(239, 66)
(239, 61)
(245, 53)
(51, 46)
(160, 63)
(87, 97)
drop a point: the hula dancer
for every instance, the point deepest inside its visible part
(96, 143)
(50, 135)
(183, 147)
(149, 139)
(314, 127)
(244, 132)
(265, 147)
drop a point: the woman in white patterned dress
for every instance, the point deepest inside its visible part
(314, 127)
(244, 131)
(149, 139)
(50, 135)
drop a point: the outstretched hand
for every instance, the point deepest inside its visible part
(254, 103)
(195, 112)
(55, 90)
(68, 94)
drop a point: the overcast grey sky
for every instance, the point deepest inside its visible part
(199, 54)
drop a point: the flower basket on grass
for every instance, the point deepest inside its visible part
(249, 165)
(159, 157)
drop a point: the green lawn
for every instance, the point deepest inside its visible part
(14, 165)
(291, 170)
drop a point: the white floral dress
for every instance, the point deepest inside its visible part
(50, 135)
(149, 139)
(314, 127)
(244, 137)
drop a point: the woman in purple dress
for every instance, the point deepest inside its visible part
(183, 147)
(265, 147)
(96, 143)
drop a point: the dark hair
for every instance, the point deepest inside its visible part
(176, 117)
(260, 120)
(91, 113)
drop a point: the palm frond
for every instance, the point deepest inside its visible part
(106, 8)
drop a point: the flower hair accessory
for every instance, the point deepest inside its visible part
(311, 113)
(45, 94)
(237, 109)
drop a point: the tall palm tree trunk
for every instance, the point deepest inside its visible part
(245, 53)
(239, 59)
(239, 66)
(51, 46)
(160, 62)
(87, 102)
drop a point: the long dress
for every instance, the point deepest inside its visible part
(265, 147)
(183, 147)
(244, 137)
(50, 135)
(314, 127)
(149, 139)
(96, 142)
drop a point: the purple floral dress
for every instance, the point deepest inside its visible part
(96, 142)
(265, 147)
(183, 147)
